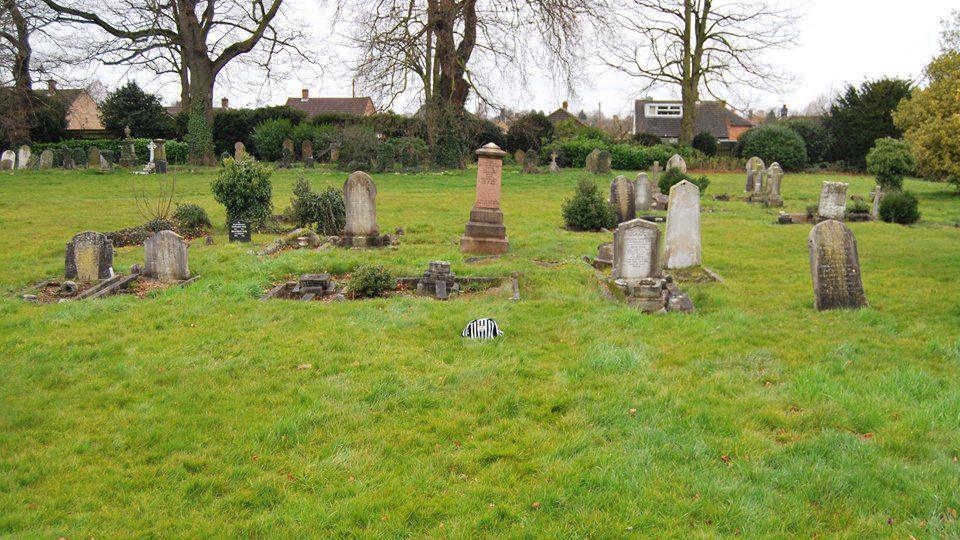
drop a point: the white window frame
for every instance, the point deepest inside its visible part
(663, 110)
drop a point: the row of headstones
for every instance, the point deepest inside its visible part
(70, 158)
(89, 257)
(643, 193)
(763, 184)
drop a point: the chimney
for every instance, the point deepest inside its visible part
(305, 94)
(566, 104)
(224, 103)
(52, 85)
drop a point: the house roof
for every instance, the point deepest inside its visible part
(562, 115)
(712, 116)
(314, 106)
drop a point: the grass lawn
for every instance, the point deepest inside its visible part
(184, 414)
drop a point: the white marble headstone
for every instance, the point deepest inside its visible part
(682, 239)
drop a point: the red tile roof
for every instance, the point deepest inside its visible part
(314, 106)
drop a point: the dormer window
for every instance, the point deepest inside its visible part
(663, 110)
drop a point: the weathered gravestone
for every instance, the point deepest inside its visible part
(8, 160)
(592, 161)
(438, 281)
(486, 233)
(165, 257)
(833, 201)
(46, 159)
(753, 165)
(677, 162)
(554, 168)
(286, 155)
(772, 190)
(240, 231)
(104, 163)
(682, 238)
(89, 257)
(128, 151)
(68, 162)
(644, 193)
(360, 200)
(877, 197)
(93, 157)
(519, 156)
(636, 250)
(598, 161)
(239, 151)
(23, 156)
(306, 153)
(160, 156)
(835, 267)
(622, 197)
(530, 163)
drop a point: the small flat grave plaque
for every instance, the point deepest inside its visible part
(240, 231)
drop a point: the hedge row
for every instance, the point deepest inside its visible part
(177, 151)
(623, 156)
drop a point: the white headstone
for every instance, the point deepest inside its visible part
(774, 178)
(682, 239)
(833, 200)
(151, 146)
(8, 160)
(23, 156)
(677, 162)
(644, 199)
(360, 200)
(636, 250)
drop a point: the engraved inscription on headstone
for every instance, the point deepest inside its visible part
(240, 231)
(835, 267)
(833, 200)
(636, 246)
(682, 238)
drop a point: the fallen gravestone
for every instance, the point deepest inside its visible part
(89, 257)
(485, 232)
(835, 267)
(682, 238)
(833, 201)
(622, 197)
(165, 257)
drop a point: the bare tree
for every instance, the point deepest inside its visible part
(701, 46)
(950, 34)
(194, 39)
(21, 22)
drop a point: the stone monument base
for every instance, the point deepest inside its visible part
(484, 246)
(486, 234)
(366, 241)
(652, 295)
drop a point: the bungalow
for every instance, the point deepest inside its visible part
(357, 106)
(662, 118)
(83, 113)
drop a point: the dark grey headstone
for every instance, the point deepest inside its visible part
(835, 267)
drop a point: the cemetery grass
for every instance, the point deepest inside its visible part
(185, 414)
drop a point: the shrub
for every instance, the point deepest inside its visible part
(131, 106)
(322, 211)
(232, 125)
(889, 160)
(858, 206)
(302, 132)
(369, 282)
(574, 152)
(192, 219)
(647, 139)
(358, 149)
(409, 152)
(336, 119)
(705, 143)
(773, 142)
(485, 131)
(815, 137)
(860, 116)
(899, 207)
(532, 130)
(391, 125)
(268, 138)
(244, 188)
(675, 176)
(587, 211)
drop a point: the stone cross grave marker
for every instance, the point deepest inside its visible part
(165, 257)
(152, 147)
(485, 233)
(89, 257)
(682, 238)
(622, 197)
(835, 267)
(833, 201)
(636, 250)
(554, 168)
(360, 200)
(23, 156)
(677, 162)
(644, 193)
(753, 164)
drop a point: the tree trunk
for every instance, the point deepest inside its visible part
(200, 123)
(18, 122)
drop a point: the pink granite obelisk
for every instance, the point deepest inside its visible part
(486, 233)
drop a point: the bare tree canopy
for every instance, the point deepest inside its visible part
(195, 39)
(701, 46)
(950, 35)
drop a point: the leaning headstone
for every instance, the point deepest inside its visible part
(8, 160)
(753, 165)
(875, 209)
(833, 201)
(636, 250)
(485, 233)
(677, 162)
(835, 267)
(89, 257)
(165, 257)
(644, 193)
(622, 198)
(46, 159)
(554, 168)
(239, 151)
(306, 153)
(360, 200)
(93, 157)
(23, 156)
(682, 238)
(104, 164)
(772, 190)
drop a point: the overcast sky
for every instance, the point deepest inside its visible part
(840, 41)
